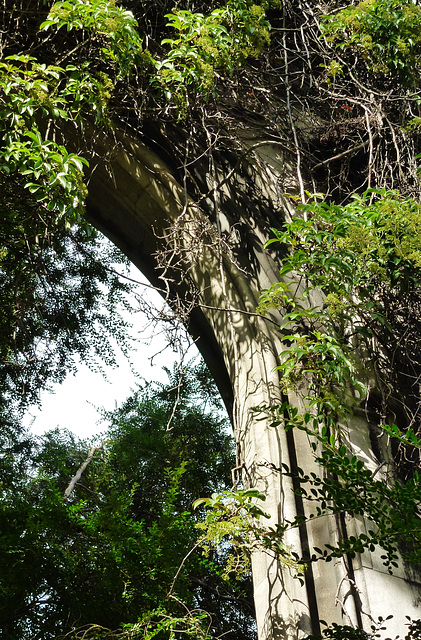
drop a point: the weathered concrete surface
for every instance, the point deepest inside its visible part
(135, 204)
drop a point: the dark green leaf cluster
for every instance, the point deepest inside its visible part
(194, 435)
(59, 293)
(107, 556)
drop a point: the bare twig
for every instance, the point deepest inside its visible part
(80, 471)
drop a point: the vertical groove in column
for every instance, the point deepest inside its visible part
(308, 575)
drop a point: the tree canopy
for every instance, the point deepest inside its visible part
(105, 553)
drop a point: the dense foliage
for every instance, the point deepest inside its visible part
(58, 297)
(365, 258)
(107, 554)
(386, 33)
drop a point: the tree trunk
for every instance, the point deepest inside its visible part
(216, 262)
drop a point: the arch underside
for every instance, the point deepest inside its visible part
(212, 263)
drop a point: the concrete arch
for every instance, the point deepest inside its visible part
(135, 199)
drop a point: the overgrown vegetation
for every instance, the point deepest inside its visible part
(338, 92)
(59, 294)
(363, 258)
(223, 39)
(39, 97)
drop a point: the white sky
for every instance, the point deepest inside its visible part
(74, 404)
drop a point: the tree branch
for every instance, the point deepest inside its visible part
(80, 471)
